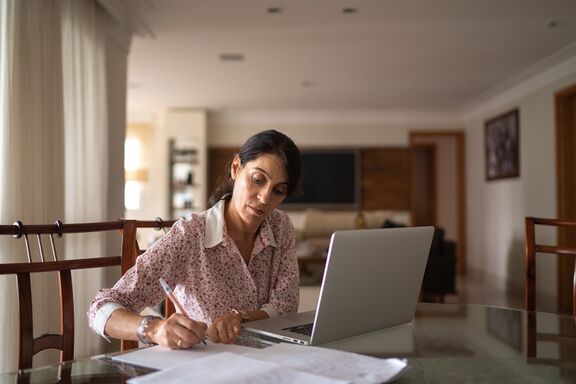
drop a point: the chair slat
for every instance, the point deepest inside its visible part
(53, 246)
(40, 248)
(64, 228)
(54, 266)
(67, 314)
(26, 324)
(28, 252)
(558, 250)
(48, 341)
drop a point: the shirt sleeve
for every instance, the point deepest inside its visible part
(139, 287)
(101, 318)
(284, 297)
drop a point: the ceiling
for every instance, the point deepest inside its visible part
(313, 54)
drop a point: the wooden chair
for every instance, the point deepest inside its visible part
(533, 247)
(29, 346)
(131, 249)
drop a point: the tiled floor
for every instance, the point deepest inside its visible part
(471, 289)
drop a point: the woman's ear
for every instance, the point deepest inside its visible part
(235, 167)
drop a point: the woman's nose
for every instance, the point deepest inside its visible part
(264, 195)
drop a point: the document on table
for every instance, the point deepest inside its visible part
(351, 367)
(158, 357)
(228, 367)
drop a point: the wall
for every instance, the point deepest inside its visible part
(327, 128)
(496, 209)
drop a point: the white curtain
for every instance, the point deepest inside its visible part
(53, 143)
(86, 149)
(32, 161)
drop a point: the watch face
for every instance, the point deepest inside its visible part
(243, 315)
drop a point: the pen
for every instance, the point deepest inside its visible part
(170, 295)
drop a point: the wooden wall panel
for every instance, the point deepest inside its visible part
(386, 178)
(385, 175)
(218, 159)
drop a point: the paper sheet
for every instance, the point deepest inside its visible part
(347, 366)
(231, 368)
(161, 358)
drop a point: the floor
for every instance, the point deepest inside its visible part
(471, 289)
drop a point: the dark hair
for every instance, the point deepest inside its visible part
(265, 142)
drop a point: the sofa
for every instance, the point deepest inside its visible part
(314, 226)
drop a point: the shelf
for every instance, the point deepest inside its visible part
(185, 188)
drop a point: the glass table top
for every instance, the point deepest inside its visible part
(445, 343)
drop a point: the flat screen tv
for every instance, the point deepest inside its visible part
(330, 180)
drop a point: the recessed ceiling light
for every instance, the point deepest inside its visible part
(349, 10)
(232, 57)
(274, 10)
(307, 83)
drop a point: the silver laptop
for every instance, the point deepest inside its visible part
(371, 281)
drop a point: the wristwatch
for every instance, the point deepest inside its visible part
(243, 315)
(143, 327)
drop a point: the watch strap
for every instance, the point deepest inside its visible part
(143, 328)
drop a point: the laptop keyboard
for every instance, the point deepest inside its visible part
(303, 329)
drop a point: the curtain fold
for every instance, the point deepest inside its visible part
(31, 188)
(86, 149)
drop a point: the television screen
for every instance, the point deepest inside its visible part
(330, 179)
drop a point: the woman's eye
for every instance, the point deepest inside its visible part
(259, 180)
(280, 192)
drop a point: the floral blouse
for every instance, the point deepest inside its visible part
(207, 273)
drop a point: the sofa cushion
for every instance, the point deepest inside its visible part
(319, 223)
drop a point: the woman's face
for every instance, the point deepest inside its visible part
(259, 187)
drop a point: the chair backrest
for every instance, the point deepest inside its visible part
(532, 247)
(131, 249)
(48, 261)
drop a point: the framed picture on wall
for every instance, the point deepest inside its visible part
(502, 142)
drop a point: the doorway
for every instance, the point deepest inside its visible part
(445, 205)
(423, 184)
(566, 189)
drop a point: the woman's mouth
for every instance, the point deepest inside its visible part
(257, 211)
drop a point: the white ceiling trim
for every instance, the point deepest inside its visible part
(548, 67)
(518, 89)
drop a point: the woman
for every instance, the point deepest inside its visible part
(234, 262)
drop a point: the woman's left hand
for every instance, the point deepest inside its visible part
(225, 328)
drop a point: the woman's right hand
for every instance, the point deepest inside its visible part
(177, 332)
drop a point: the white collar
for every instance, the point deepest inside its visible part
(214, 232)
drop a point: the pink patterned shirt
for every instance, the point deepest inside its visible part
(209, 277)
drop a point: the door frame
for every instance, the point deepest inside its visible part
(565, 102)
(430, 182)
(458, 136)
